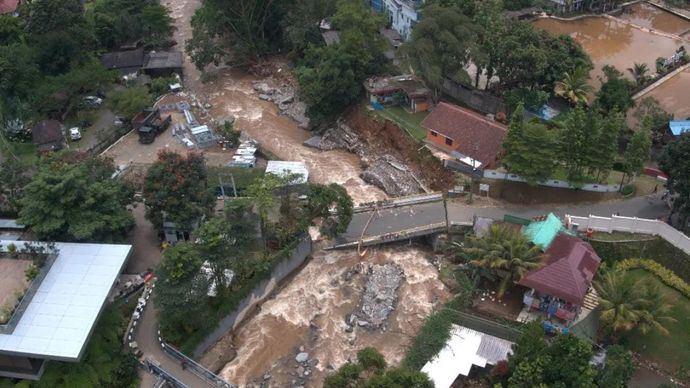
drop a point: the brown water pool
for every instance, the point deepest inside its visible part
(612, 42)
(673, 95)
(649, 16)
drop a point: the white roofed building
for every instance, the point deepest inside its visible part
(59, 311)
(283, 169)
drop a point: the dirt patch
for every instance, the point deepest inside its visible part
(386, 136)
(522, 193)
(508, 307)
(13, 284)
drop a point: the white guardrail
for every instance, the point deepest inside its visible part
(634, 225)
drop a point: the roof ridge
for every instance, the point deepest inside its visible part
(476, 114)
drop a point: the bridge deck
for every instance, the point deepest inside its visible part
(394, 223)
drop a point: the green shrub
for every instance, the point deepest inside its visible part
(664, 274)
(628, 190)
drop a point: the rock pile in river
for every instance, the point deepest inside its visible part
(392, 176)
(286, 99)
(378, 300)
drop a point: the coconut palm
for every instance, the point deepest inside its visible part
(504, 252)
(574, 86)
(626, 303)
(639, 72)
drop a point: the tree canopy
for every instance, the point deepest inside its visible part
(73, 198)
(370, 371)
(176, 190)
(675, 161)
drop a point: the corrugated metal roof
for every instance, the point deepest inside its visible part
(679, 127)
(10, 224)
(282, 168)
(543, 232)
(466, 347)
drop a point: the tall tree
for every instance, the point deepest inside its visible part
(13, 178)
(263, 192)
(504, 252)
(322, 199)
(574, 87)
(176, 190)
(603, 155)
(576, 144)
(675, 161)
(637, 151)
(246, 28)
(530, 149)
(626, 303)
(615, 92)
(649, 114)
(74, 198)
(130, 101)
(639, 73)
(440, 46)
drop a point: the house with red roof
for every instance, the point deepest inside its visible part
(8, 6)
(466, 135)
(563, 285)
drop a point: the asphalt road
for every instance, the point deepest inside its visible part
(403, 218)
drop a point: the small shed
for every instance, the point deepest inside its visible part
(283, 169)
(8, 6)
(125, 62)
(543, 231)
(203, 136)
(163, 63)
(464, 349)
(679, 127)
(48, 135)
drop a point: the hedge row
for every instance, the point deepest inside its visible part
(656, 249)
(664, 274)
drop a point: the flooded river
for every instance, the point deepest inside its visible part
(609, 41)
(310, 312)
(649, 16)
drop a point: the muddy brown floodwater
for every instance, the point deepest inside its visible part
(310, 311)
(609, 41)
(649, 16)
(673, 95)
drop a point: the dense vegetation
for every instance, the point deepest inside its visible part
(48, 55)
(72, 197)
(370, 371)
(249, 238)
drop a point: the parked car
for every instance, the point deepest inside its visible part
(74, 134)
(92, 102)
(119, 121)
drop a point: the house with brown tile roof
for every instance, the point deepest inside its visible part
(469, 136)
(560, 286)
(8, 6)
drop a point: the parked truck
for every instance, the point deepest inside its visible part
(149, 124)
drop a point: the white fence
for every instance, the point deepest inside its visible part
(634, 225)
(494, 174)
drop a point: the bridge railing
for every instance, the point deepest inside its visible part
(195, 367)
(156, 369)
(403, 201)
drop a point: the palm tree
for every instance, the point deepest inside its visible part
(627, 303)
(639, 72)
(574, 86)
(504, 252)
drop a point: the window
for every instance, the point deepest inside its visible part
(434, 133)
(449, 141)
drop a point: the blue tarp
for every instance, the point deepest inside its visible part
(679, 127)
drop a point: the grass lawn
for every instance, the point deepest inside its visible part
(26, 152)
(410, 122)
(670, 351)
(621, 236)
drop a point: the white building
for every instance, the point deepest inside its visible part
(402, 14)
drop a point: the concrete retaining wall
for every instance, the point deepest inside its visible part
(284, 268)
(494, 174)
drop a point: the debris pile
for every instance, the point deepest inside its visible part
(379, 297)
(392, 176)
(285, 98)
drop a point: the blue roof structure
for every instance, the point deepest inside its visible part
(679, 127)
